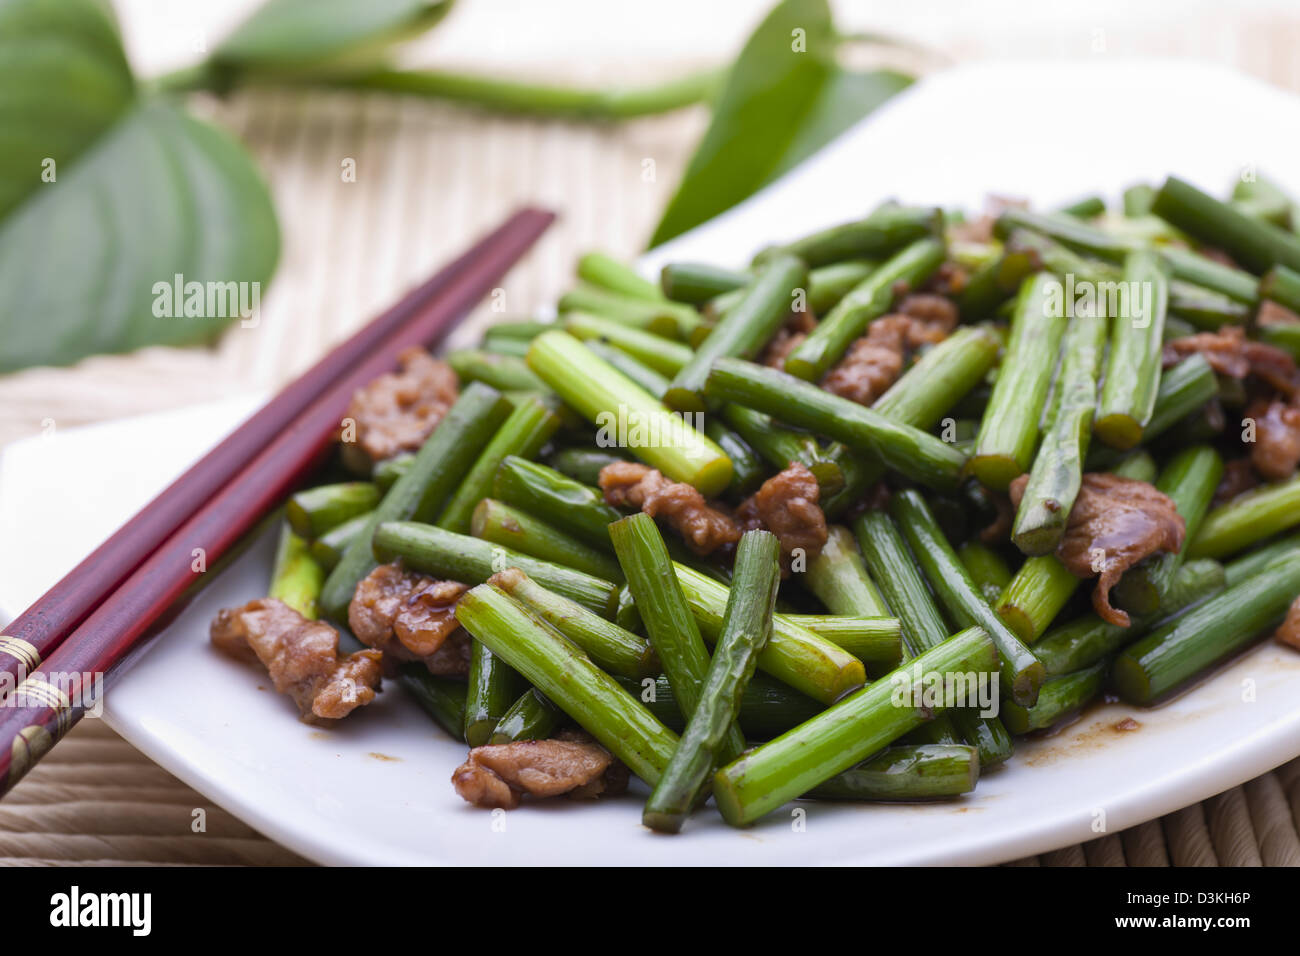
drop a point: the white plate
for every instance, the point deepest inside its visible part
(377, 789)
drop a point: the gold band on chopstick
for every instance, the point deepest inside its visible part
(32, 742)
(22, 651)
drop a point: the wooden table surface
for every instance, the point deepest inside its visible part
(430, 177)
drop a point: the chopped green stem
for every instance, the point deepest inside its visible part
(794, 654)
(1282, 285)
(420, 493)
(887, 229)
(743, 331)
(768, 707)
(519, 531)
(1087, 639)
(314, 511)
(1202, 309)
(926, 772)
(1059, 698)
(986, 568)
(492, 688)
(910, 451)
(610, 400)
(1252, 562)
(1021, 671)
(654, 351)
(874, 640)
(1138, 465)
(609, 273)
(746, 627)
(556, 499)
(929, 389)
(827, 285)
(1283, 336)
(1184, 389)
(456, 557)
(531, 717)
(387, 472)
(839, 578)
(695, 283)
(1189, 479)
(780, 446)
(665, 613)
(662, 318)
(834, 741)
(1256, 244)
(616, 650)
(328, 548)
(1057, 473)
(443, 699)
(1247, 519)
(892, 564)
(1089, 207)
(1138, 200)
(503, 372)
(583, 464)
(570, 679)
(868, 300)
(1174, 654)
(1009, 431)
(1128, 396)
(748, 470)
(994, 282)
(529, 427)
(1036, 595)
(296, 576)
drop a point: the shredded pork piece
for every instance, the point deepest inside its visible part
(1289, 632)
(628, 484)
(1272, 313)
(572, 763)
(1230, 353)
(301, 656)
(1003, 516)
(786, 505)
(397, 411)
(407, 616)
(1238, 478)
(1114, 524)
(875, 361)
(1276, 449)
(788, 338)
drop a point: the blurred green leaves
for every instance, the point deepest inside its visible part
(785, 98)
(108, 187)
(63, 81)
(284, 36)
(107, 194)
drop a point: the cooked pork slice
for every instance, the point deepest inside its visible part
(1114, 524)
(571, 763)
(1276, 449)
(406, 615)
(628, 484)
(397, 411)
(786, 505)
(301, 656)
(1230, 353)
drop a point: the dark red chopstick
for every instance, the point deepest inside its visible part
(48, 703)
(35, 633)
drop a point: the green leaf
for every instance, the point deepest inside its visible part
(309, 35)
(785, 98)
(63, 80)
(84, 259)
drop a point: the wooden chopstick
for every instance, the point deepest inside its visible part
(35, 633)
(46, 704)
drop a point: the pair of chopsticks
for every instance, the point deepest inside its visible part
(94, 620)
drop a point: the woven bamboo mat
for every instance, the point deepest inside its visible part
(430, 178)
